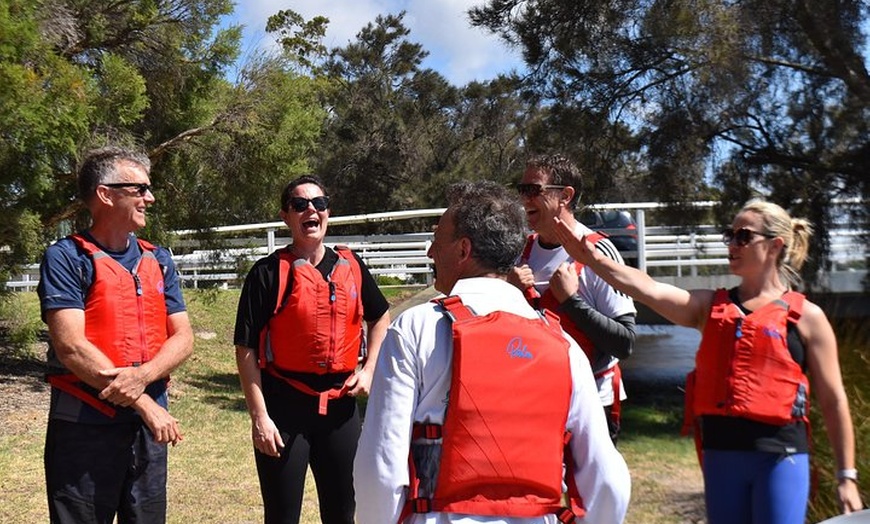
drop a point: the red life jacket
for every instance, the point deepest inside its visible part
(318, 329)
(504, 441)
(548, 301)
(743, 367)
(125, 314)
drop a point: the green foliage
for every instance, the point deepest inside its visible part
(387, 280)
(150, 75)
(270, 125)
(852, 337)
(757, 96)
(304, 44)
(123, 91)
(21, 325)
(399, 134)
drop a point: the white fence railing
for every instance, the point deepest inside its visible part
(687, 252)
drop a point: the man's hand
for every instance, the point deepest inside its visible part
(127, 385)
(564, 283)
(521, 277)
(164, 427)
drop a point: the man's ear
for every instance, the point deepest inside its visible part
(464, 249)
(567, 194)
(102, 194)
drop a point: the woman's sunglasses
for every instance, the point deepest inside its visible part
(300, 204)
(534, 190)
(742, 236)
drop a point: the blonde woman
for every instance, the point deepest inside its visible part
(748, 394)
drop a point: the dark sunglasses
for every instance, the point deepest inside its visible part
(300, 204)
(742, 236)
(533, 190)
(140, 188)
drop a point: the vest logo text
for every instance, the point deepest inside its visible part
(516, 349)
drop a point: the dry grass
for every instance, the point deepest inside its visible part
(212, 472)
(212, 477)
(667, 486)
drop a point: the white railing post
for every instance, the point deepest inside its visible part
(640, 219)
(270, 240)
(679, 257)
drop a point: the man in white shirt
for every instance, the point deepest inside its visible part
(597, 316)
(476, 243)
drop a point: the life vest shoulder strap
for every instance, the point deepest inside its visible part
(285, 276)
(345, 253)
(454, 308)
(552, 320)
(527, 249)
(795, 302)
(145, 245)
(84, 244)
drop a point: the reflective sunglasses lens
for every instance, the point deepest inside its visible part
(320, 203)
(300, 204)
(140, 189)
(529, 190)
(743, 237)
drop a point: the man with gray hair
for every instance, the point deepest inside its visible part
(117, 327)
(482, 393)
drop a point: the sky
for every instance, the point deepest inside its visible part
(456, 50)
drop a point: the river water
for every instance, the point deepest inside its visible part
(663, 354)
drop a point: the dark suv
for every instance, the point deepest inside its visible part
(619, 226)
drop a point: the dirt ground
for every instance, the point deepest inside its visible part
(24, 394)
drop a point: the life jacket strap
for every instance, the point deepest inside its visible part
(72, 385)
(566, 516)
(531, 294)
(421, 505)
(616, 381)
(576, 507)
(455, 309)
(323, 396)
(427, 431)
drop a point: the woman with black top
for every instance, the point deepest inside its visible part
(748, 395)
(298, 340)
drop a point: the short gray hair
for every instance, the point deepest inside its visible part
(493, 219)
(101, 165)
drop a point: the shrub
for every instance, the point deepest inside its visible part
(852, 337)
(20, 324)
